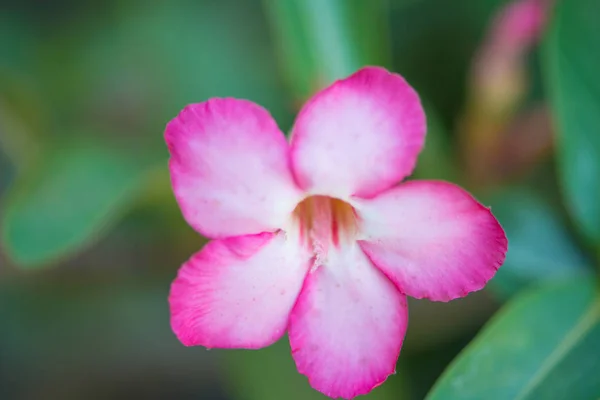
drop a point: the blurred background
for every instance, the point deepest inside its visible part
(92, 236)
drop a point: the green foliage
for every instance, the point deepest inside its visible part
(190, 53)
(321, 41)
(544, 345)
(64, 200)
(572, 60)
(540, 246)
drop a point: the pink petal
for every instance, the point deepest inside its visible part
(230, 168)
(238, 292)
(359, 136)
(432, 239)
(348, 325)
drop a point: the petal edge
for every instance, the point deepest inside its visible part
(347, 327)
(432, 239)
(230, 168)
(359, 136)
(237, 292)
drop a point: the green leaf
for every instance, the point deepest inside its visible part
(544, 345)
(324, 40)
(540, 247)
(199, 52)
(270, 374)
(571, 69)
(65, 199)
(139, 63)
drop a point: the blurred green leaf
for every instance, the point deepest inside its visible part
(571, 63)
(270, 374)
(544, 345)
(539, 246)
(166, 55)
(436, 161)
(324, 40)
(132, 66)
(65, 199)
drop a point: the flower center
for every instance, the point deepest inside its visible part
(325, 221)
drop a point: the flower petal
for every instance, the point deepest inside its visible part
(348, 325)
(238, 292)
(359, 136)
(432, 239)
(230, 168)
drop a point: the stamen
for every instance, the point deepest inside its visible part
(325, 221)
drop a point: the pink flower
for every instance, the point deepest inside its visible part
(315, 237)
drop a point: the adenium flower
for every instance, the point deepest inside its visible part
(314, 236)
